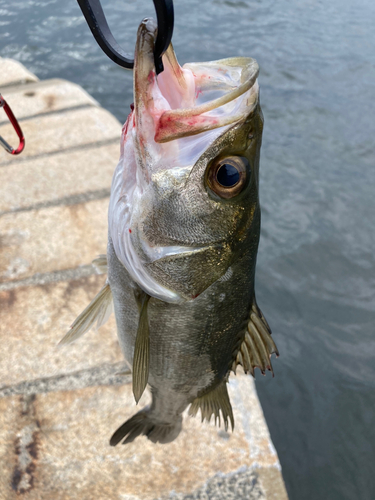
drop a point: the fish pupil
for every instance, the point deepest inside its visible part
(227, 175)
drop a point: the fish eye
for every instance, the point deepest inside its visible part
(227, 177)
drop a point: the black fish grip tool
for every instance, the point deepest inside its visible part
(95, 18)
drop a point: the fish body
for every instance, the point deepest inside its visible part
(184, 225)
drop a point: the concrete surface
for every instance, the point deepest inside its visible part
(32, 183)
(49, 96)
(37, 317)
(58, 442)
(52, 238)
(63, 130)
(14, 73)
(59, 407)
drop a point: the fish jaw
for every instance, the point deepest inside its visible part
(168, 232)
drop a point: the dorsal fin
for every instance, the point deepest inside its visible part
(141, 359)
(258, 346)
(211, 404)
(98, 311)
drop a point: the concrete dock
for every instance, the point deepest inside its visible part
(59, 407)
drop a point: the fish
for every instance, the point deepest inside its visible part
(183, 235)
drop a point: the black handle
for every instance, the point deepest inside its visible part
(95, 18)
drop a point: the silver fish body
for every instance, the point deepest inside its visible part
(184, 225)
(192, 344)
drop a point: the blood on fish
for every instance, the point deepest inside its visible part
(126, 125)
(151, 77)
(198, 92)
(132, 106)
(169, 127)
(130, 230)
(202, 76)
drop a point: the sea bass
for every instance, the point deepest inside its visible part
(184, 224)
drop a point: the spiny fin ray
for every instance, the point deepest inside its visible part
(257, 347)
(141, 359)
(212, 403)
(98, 311)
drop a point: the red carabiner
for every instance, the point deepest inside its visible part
(17, 128)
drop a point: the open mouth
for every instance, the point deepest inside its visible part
(195, 98)
(204, 96)
(183, 109)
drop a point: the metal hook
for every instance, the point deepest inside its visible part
(95, 18)
(17, 128)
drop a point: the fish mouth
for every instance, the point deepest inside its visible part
(197, 99)
(208, 112)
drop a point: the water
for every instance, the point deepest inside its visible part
(316, 265)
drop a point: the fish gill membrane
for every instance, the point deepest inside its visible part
(179, 240)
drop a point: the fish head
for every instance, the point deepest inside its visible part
(184, 200)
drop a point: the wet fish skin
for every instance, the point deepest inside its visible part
(221, 230)
(181, 259)
(194, 341)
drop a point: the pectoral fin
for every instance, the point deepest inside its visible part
(100, 264)
(98, 311)
(141, 359)
(212, 403)
(257, 346)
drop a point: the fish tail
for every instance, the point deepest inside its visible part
(145, 423)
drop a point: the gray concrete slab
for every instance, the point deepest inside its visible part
(48, 134)
(58, 407)
(64, 435)
(59, 178)
(43, 97)
(33, 319)
(13, 73)
(51, 239)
